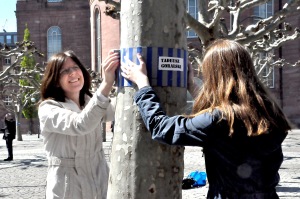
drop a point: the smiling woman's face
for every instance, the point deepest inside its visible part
(71, 79)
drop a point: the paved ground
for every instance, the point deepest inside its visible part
(25, 176)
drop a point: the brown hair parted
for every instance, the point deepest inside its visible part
(232, 86)
(50, 81)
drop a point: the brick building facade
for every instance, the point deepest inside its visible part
(287, 79)
(66, 24)
(286, 87)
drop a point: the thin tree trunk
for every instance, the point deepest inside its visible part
(18, 132)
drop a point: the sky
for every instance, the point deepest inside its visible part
(7, 15)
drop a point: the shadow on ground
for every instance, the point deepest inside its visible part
(37, 161)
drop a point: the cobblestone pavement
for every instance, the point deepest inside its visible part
(24, 177)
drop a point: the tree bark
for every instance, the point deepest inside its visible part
(141, 167)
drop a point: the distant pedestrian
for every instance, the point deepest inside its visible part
(235, 120)
(9, 134)
(70, 120)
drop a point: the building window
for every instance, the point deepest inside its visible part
(192, 10)
(266, 73)
(54, 1)
(54, 41)
(8, 39)
(98, 41)
(7, 61)
(263, 11)
(7, 100)
(2, 39)
(15, 38)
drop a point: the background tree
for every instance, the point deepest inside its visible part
(19, 95)
(28, 62)
(263, 37)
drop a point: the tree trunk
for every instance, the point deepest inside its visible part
(31, 126)
(141, 167)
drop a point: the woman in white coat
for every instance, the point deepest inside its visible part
(70, 120)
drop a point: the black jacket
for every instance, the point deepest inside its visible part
(9, 130)
(237, 167)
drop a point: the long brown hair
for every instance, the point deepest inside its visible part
(232, 86)
(50, 81)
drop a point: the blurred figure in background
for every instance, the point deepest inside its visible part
(9, 131)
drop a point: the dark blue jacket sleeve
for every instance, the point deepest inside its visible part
(176, 130)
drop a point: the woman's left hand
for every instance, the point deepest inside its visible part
(109, 66)
(135, 73)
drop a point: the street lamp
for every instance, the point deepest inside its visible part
(33, 100)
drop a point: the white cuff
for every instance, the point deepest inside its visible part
(101, 97)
